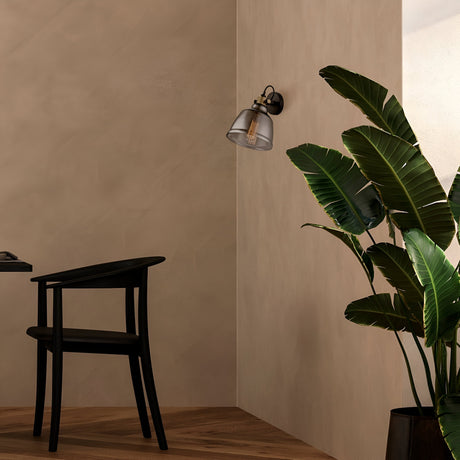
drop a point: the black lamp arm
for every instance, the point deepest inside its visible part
(265, 90)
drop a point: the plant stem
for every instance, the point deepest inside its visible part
(372, 287)
(440, 364)
(453, 365)
(406, 360)
(445, 380)
(370, 236)
(411, 378)
(429, 379)
(437, 384)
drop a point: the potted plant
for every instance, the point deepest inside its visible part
(387, 179)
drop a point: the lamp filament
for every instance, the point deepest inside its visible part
(252, 132)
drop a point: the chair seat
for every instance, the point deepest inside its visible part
(88, 340)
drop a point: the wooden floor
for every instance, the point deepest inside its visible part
(114, 433)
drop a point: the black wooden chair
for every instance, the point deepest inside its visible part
(126, 274)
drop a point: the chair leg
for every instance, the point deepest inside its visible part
(56, 400)
(139, 394)
(41, 387)
(152, 398)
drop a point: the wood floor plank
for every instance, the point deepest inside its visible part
(218, 433)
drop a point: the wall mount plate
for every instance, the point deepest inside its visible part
(274, 103)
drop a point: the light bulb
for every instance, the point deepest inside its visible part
(252, 131)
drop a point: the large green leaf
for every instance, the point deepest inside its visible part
(413, 315)
(353, 243)
(395, 265)
(441, 283)
(378, 310)
(405, 180)
(449, 420)
(369, 97)
(454, 197)
(337, 183)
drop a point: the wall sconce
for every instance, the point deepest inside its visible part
(253, 128)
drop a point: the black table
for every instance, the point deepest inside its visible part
(10, 263)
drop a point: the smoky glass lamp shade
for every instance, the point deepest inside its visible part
(253, 129)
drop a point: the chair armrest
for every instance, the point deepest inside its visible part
(89, 281)
(94, 272)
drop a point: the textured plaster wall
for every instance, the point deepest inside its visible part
(111, 147)
(301, 365)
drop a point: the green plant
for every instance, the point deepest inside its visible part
(387, 178)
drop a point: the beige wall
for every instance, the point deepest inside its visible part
(111, 146)
(112, 115)
(301, 365)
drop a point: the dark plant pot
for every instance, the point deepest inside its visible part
(415, 437)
